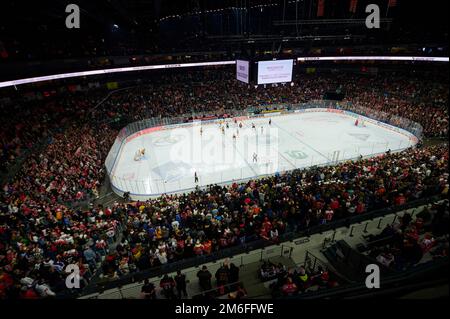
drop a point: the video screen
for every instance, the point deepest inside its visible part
(242, 70)
(277, 71)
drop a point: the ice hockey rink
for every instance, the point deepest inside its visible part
(220, 154)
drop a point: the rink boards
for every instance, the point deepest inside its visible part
(296, 139)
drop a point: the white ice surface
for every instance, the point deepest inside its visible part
(292, 141)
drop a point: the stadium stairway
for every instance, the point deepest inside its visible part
(353, 235)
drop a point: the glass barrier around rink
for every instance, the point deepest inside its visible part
(143, 189)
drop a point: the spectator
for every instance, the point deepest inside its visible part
(222, 276)
(204, 278)
(167, 285)
(303, 279)
(180, 280)
(289, 288)
(148, 290)
(240, 293)
(91, 257)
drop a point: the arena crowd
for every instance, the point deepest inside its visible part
(42, 230)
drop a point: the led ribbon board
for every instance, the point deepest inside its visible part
(186, 65)
(108, 71)
(374, 58)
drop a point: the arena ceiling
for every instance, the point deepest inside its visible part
(147, 24)
(145, 12)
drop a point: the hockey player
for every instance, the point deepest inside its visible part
(139, 154)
